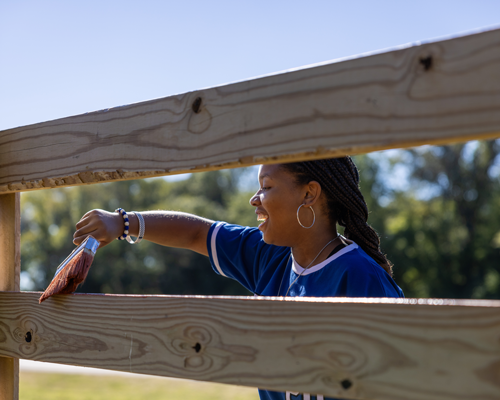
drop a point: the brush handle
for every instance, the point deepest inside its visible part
(89, 243)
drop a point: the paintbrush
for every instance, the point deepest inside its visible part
(73, 270)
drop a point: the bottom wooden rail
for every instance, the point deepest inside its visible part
(347, 348)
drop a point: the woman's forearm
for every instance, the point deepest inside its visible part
(173, 229)
(168, 228)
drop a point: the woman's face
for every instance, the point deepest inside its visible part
(276, 204)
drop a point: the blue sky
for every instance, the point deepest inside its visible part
(61, 58)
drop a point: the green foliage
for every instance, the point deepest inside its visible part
(48, 219)
(441, 232)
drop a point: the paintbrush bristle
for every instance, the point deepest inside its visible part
(73, 273)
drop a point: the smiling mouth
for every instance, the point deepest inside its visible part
(262, 217)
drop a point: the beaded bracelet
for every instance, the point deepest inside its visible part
(142, 228)
(122, 212)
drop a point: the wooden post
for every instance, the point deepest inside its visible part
(10, 269)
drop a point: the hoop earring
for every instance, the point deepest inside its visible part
(298, 219)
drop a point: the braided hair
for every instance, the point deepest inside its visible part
(339, 179)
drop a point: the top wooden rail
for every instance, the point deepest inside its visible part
(431, 93)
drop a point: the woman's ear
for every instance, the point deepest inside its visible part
(313, 193)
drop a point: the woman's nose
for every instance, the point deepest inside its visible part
(255, 200)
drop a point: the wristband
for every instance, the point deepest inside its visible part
(142, 228)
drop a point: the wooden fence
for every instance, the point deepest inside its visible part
(431, 93)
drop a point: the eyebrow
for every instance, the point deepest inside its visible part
(264, 176)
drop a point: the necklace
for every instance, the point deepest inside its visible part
(295, 280)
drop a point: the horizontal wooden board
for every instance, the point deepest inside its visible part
(433, 93)
(349, 348)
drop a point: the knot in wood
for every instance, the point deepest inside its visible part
(197, 347)
(426, 62)
(346, 384)
(196, 105)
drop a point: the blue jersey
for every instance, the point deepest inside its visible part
(240, 253)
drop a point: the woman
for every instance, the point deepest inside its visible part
(297, 252)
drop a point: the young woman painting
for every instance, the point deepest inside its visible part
(295, 251)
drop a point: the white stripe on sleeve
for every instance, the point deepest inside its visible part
(214, 248)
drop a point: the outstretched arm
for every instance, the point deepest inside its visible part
(168, 228)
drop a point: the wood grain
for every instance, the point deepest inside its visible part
(350, 348)
(10, 269)
(434, 93)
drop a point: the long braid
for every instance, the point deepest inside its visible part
(339, 178)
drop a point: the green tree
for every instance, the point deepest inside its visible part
(49, 216)
(442, 231)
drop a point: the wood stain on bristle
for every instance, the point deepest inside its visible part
(74, 271)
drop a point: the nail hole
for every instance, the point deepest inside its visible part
(197, 347)
(27, 337)
(346, 384)
(196, 105)
(426, 62)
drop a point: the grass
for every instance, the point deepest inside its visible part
(50, 386)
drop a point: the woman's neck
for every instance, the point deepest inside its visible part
(315, 248)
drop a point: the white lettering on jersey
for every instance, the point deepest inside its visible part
(300, 396)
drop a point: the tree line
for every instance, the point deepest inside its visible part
(439, 225)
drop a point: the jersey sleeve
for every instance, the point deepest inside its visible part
(237, 252)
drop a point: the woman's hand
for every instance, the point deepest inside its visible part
(104, 226)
